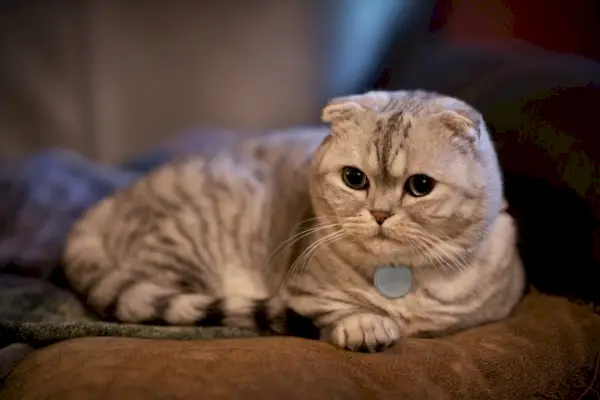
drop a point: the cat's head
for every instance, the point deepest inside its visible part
(408, 176)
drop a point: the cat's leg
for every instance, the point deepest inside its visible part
(363, 331)
(345, 321)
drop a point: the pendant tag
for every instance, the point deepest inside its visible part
(393, 282)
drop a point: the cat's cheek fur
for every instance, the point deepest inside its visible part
(363, 331)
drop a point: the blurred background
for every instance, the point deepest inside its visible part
(113, 78)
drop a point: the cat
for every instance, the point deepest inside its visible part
(301, 219)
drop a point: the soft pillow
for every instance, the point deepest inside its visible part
(548, 349)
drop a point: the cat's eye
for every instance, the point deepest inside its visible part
(354, 178)
(419, 185)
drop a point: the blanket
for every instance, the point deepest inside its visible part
(546, 350)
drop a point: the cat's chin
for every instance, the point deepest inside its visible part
(382, 239)
(385, 248)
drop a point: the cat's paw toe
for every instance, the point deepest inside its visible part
(365, 332)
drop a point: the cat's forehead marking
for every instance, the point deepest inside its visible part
(391, 132)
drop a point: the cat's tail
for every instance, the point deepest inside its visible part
(134, 299)
(123, 296)
(126, 295)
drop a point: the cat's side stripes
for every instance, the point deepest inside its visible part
(134, 296)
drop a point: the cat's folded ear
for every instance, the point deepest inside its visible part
(347, 107)
(340, 109)
(464, 124)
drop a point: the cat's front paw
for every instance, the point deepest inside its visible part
(364, 332)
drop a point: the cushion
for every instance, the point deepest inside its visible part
(547, 349)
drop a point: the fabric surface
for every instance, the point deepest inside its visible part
(547, 350)
(11, 355)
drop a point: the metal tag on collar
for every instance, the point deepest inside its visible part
(393, 282)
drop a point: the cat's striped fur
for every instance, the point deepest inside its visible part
(190, 243)
(200, 240)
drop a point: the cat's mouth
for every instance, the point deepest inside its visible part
(381, 236)
(388, 237)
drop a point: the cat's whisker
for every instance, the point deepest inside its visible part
(447, 257)
(439, 242)
(420, 248)
(314, 218)
(433, 258)
(309, 256)
(301, 263)
(310, 250)
(303, 234)
(327, 219)
(296, 238)
(453, 250)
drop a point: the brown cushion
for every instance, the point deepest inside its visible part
(549, 347)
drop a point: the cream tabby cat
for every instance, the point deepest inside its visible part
(302, 219)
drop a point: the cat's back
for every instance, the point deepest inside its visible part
(288, 146)
(277, 159)
(244, 157)
(225, 172)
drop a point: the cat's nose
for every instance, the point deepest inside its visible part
(380, 216)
